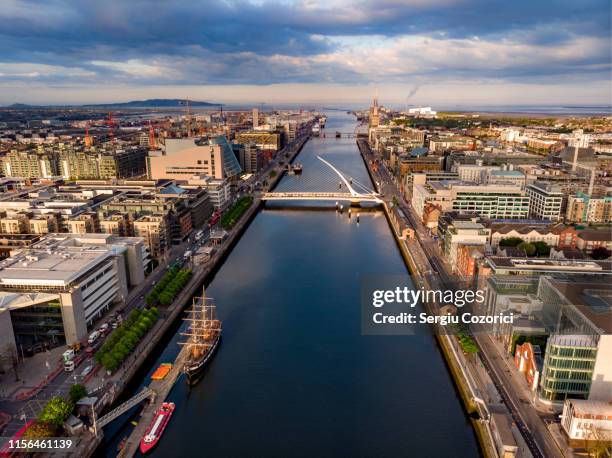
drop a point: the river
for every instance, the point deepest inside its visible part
(294, 376)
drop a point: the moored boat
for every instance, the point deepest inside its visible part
(204, 336)
(157, 427)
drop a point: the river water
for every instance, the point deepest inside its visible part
(294, 376)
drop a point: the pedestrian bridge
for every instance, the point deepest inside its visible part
(319, 189)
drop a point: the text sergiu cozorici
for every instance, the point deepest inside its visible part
(411, 297)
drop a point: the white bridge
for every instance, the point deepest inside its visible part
(345, 192)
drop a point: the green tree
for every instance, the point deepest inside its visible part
(56, 411)
(39, 430)
(542, 249)
(77, 392)
(528, 248)
(600, 252)
(511, 241)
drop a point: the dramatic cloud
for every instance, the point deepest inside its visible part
(139, 43)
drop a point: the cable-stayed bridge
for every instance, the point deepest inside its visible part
(331, 185)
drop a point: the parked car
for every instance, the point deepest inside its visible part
(93, 337)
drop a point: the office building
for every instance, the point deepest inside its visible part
(500, 201)
(578, 361)
(185, 157)
(56, 288)
(545, 201)
(476, 173)
(269, 142)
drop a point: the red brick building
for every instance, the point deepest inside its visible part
(528, 360)
(467, 258)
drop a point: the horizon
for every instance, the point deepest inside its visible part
(444, 52)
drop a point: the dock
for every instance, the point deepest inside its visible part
(162, 389)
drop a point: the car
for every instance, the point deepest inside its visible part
(87, 371)
(93, 337)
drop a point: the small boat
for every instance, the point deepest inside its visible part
(338, 135)
(161, 372)
(297, 169)
(157, 427)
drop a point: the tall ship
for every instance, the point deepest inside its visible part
(203, 336)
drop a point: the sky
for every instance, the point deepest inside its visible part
(435, 52)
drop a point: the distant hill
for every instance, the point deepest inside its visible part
(155, 103)
(20, 106)
(149, 103)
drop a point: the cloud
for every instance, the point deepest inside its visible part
(234, 42)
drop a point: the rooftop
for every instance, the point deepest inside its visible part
(53, 267)
(589, 409)
(548, 264)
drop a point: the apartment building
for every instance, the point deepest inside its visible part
(14, 224)
(466, 234)
(581, 208)
(153, 229)
(589, 240)
(30, 164)
(532, 232)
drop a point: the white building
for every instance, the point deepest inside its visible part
(515, 177)
(545, 201)
(489, 201)
(218, 190)
(463, 233)
(584, 420)
(476, 173)
(63, 283)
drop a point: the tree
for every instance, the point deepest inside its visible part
(77, 392)
(542, 249)
(56, 411)
(528, 248)
(601, 252)
(39, 430)
(511, 241)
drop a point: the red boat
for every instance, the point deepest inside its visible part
(157, 426)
